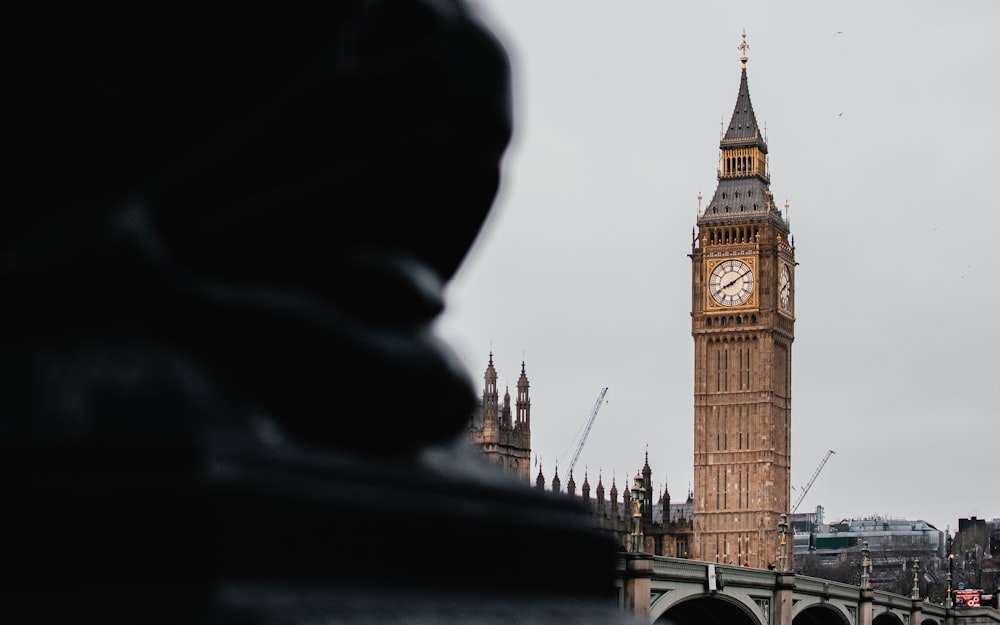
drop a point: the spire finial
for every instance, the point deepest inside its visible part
(743, 48)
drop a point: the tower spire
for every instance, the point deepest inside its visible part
(743, 126)
(744, 179)
(523, 402)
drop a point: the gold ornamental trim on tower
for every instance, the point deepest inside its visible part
(731, 283)
(732, 253)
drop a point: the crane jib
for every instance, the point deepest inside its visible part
(590, 422)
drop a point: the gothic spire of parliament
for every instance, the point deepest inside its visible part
(742, 321)
(501, 435)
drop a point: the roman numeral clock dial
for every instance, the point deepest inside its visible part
(731, 282)
(785, 287)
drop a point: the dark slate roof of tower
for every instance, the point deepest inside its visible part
(746, 197)
(741, 198)
(743, 128)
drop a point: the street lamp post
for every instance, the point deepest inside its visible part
(951, 570)
(915, 593)
(782, 554)
(865, 583)
(638, 494)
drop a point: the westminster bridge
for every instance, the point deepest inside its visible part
(674, 591)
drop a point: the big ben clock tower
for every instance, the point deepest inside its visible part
(742, 321)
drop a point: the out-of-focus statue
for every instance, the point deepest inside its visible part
(224, 243)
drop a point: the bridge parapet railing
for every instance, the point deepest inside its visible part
(935, 610)
(683, 569)
(891, 600)
(826, 588)
(747, 577)
(679, 568)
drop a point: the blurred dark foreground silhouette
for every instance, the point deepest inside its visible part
(221, 400)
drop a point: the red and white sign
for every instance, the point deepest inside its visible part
(968, 598)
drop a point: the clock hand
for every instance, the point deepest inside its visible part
(736, 279)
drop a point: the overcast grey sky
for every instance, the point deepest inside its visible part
(881, 119)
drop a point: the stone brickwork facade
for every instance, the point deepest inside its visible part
(742, 318)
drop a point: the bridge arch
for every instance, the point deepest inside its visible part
(820, 614)
(706, 609)
(887, 618)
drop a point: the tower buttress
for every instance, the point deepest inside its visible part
(505, 419)
(614, 497)
(491, 400)
(600, 495)
(666, 503)
(523, 401)
(647, 487)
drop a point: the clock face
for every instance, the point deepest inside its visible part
(731, 282)
(785, 287)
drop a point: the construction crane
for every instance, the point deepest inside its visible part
(586, 431)
(809, 484)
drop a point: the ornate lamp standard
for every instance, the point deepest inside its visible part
(951, 570)
(915, 593)
(638, 494)
(782, 554)
(864, 565)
